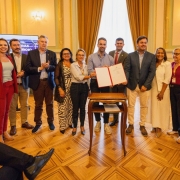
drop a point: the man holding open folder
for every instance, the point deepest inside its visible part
(96, 60)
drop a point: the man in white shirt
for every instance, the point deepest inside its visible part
(19, 60)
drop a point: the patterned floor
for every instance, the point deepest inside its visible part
(148, 158)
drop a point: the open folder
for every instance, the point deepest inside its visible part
(110, 76)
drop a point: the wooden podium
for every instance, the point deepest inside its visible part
(107, 98)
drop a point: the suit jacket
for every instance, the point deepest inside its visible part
(122, 56)
(142, 76)
(32, 64)
(25, 78)
(2, 95)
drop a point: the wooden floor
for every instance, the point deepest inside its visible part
(147, 158)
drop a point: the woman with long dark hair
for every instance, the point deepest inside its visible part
(160, 95)
(62, 90)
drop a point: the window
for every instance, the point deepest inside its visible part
(114, 24)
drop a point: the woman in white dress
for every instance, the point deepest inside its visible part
(160, 95)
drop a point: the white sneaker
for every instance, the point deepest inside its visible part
(98, 126)
(107, 128)
(178, 140)
(171, 132)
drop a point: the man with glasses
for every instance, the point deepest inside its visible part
(40, 66)
(100, 59)
(175, 94)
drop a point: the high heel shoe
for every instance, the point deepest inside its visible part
(158, 132)
(74, 131)
(7, 136)
(62, 131)
(83, 132)
(70, 126)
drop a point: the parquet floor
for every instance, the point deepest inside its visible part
(148, 158)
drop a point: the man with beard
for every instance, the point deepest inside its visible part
(140, 67)
(119, 57)
(19, 60)
(96, 60)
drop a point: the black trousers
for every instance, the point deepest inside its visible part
(14, 162)
(79, 93)
(94, 88)
(43, 92)
(175, 106)
(118, 89)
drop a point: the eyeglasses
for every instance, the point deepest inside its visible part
(66, 53)
(176, 54)
(80, 54)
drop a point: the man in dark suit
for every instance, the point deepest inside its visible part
(40, 66)
(19, 60)
(14, 162)
(119, 57)
(140, 67)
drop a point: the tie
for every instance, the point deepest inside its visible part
(116, 58)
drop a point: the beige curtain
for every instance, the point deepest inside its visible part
(138, 12)
(89, 18)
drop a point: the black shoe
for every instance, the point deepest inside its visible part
(70, 126)
(13, 130)
(83, 132)
(36, 128)
(113, 123)
(129, 129)
(143, 131)
(74, 131)
(62, 131)
(51, 126)
(32, 171)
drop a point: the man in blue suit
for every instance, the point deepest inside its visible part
(40, 66)
(140, 67)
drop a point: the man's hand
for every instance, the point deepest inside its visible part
(93, 74)
(20, 74)
(143, 88)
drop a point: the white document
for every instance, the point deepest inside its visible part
(103, 78)
(117, 74)
(110, 76)
(111, 107)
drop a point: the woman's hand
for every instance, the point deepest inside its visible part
(160, 96)
(61, 92)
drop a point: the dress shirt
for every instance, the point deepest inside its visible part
(119, 52)
(44, 74)
(18, 65)
(96, 61)
(163, 74)
(140, 58)
(77, 73)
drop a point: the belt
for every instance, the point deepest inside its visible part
(78, 83)
(45, 79)
(19, 84)
(174, 85)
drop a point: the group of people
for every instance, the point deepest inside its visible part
(40, 71)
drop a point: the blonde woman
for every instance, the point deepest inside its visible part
(79, 89)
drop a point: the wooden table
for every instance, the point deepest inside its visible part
(107, 98)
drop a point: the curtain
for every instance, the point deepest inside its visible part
(138, 13)
(89, 18)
